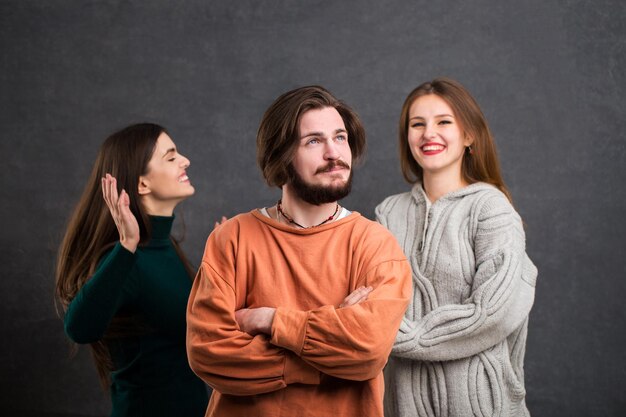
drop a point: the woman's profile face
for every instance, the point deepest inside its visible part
(435, 137)
(166, 180)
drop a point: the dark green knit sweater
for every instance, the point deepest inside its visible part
(150, 287)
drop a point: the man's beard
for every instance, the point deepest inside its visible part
(319, 194)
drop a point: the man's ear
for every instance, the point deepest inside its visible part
(144, 186)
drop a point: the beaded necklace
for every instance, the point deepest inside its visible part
(292, 221)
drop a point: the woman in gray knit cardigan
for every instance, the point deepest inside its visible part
(460, 348)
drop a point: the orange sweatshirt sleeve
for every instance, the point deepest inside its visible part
(353, 342)
(229, 360)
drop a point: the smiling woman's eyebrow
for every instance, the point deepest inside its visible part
(438, 115)
(169, 151)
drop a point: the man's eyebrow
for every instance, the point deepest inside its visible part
(306, 135)
(322, 134)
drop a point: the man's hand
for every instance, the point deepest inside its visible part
(255, 320)
(356, 296)
(259, 320)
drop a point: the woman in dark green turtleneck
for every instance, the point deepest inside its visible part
(124, 281)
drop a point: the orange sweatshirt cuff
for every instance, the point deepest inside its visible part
(289, 329)
(298, 371)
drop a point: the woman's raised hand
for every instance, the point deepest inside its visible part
(119, 206)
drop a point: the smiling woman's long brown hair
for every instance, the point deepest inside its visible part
(483, 164)
(91, 231)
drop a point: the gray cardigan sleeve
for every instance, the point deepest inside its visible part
(500, 301)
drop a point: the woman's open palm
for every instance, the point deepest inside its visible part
(119, 206)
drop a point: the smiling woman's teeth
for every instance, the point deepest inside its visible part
(183, 178)
(432, 148)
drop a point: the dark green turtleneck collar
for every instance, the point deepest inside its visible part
(161, 229)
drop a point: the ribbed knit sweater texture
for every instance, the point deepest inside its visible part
(460, 348)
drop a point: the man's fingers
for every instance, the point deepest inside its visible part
(363, 294)
(356, 296)
(239, 315)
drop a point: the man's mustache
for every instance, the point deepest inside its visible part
(332, 165)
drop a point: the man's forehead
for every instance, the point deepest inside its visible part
(321, 120)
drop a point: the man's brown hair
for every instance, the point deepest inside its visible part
(278, 135)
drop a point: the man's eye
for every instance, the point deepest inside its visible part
(341, 138)
(312, 141)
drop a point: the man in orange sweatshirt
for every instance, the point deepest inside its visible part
(296, 306)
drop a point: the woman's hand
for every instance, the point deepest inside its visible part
(220, 222)
(119, 206)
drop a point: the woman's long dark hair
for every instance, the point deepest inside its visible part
(91, 230)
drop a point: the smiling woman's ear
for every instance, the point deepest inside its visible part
(143, 188)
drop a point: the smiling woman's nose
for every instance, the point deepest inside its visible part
(429, 131)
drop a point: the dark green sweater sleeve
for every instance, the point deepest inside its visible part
(91, 311)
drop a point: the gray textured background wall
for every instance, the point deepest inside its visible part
(549, 75)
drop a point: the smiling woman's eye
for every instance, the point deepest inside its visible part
(445, 122)
(417, 124)
(171, 159)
